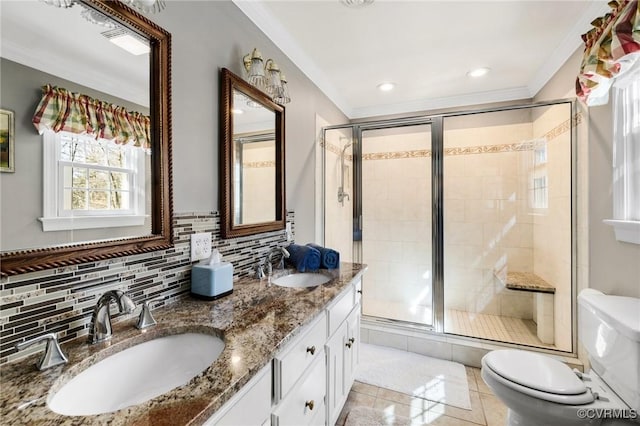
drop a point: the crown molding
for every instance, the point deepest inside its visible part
(477, 98)
(268, 24)
(567, 47)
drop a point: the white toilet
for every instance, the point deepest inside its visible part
(541, 391)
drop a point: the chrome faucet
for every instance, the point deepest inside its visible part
(284, 254)
(100, 327)
(266, 262)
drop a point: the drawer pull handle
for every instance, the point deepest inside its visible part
(359, 291)
(352, 340)
(309, 404)
(350, 343)
(312, 351)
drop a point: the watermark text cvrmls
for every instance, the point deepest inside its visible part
(607, 413)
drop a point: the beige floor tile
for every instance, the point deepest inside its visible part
(494, 410)
(361, 399)
(417, 410)
(442, 420)
(365, 388)
(471, 379)
(394, 396)
(475, 415)
(482, 386)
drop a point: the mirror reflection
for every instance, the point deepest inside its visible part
(78, 84)
(254, 159)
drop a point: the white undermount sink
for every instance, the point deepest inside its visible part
(305, 279)
(137, 374)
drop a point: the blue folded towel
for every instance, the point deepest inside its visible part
(329, 258)
(303, 258)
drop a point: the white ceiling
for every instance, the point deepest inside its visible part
(425, 47)
(72, 48)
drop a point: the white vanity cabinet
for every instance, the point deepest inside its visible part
(342, 359)
(250, 406)
(309, 380)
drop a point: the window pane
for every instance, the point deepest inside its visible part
(75, 199)
(98, 179)
(119, 200)
(79, 177)
(116, 156)
(98, 200)
(96, 153)
(72, 150)
(119, 180)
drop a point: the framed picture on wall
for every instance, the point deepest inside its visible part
(7, 136)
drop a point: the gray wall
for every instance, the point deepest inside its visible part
(21, 206)
(613, 266)
(207, 36)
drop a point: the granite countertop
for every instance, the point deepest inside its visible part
(256, 321)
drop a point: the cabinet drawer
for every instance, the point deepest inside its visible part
(289, 365)
(305, 404)
(340, 309)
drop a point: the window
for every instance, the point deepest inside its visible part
(91, 183)
(626, 157)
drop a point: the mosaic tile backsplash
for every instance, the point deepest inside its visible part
(61, 300)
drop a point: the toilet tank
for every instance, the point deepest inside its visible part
(609, 329)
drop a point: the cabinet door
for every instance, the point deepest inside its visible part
(352, 348)
(250, 406)
(335, 373)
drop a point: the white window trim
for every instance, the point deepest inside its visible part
(626, 160)
(51, 201)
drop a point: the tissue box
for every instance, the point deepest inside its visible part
(212, 281)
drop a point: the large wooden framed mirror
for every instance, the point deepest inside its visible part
(140, 82)
(252, 161)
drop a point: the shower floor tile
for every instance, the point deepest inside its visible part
(492, 327)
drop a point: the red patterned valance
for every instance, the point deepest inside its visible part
(611, 48)
(61, 110)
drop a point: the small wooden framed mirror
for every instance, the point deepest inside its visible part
(252, 160)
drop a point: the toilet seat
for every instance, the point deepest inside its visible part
(539, 376)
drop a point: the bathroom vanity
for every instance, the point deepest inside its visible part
(289, 358)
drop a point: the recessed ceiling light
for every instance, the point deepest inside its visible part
(356, 3)
(478, 72)
(237, 111)
(123, 39)
(385, 87)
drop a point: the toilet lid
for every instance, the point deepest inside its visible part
(535, 371)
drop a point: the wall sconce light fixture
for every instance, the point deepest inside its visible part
(267, 77)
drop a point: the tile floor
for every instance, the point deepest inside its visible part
(486, 409)
(494, 327)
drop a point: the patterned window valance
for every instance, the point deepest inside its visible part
(611, 48)
(60, 110)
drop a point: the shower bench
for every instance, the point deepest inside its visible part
(543, 304)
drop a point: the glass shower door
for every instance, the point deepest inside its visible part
(396, 223)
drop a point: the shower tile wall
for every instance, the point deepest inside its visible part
(259, 175)
(552, 228)
(487, 225)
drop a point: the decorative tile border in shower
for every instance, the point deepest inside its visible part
(467, 150)
(259, 164)
(61, 300)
